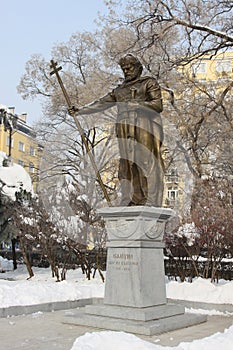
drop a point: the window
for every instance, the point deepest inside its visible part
(199, 68)
(21, 146)
(21, 162)
(31, 168)
(172, 196)
(223, 66)
(172, 193)
(172, 176)
(32, 151)
(173, 172)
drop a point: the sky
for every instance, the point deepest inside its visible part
(34, 27)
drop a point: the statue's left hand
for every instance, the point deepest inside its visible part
(72, 110)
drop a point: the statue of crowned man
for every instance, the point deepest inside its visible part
(139, 132)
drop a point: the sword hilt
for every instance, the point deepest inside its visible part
(133, 92)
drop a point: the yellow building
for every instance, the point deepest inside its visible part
(215, 72)
(215, 68)
(18, 141)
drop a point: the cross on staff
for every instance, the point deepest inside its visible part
(79, 127)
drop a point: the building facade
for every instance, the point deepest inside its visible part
(18, 142)
(217, 68)
(214, 73)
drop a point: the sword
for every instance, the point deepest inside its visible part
(79, 127)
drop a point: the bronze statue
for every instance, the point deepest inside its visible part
(139, 131)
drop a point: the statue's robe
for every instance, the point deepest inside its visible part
(140, 135)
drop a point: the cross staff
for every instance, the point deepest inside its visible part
(79, 127)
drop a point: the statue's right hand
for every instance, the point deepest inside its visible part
(72, 110)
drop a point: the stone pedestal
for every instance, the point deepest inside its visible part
(135, 294)
(135, 266)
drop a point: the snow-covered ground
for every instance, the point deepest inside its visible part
(124, 341)
(15, 289)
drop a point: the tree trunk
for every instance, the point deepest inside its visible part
(13, 242)
(192, 260)
(25, 259)
(55, 270)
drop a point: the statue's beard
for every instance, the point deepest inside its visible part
(132, 76)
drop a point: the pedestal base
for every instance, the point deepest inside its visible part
(136, 314)
(145, 321)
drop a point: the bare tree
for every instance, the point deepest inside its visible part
(199, 244)
(212, 213)
(201, 27)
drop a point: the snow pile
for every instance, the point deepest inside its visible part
(14, 177)
(15, 289)
(5, 265)
(201, 290)
(42, 288)
(32, 293)
(212, 312)
(119, 340)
